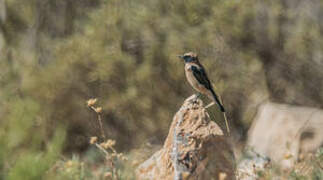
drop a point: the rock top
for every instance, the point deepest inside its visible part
(195, 148)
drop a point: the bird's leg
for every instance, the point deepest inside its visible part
(197, 96)
(209, 105)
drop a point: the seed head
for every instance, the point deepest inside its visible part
(93, 140)
(91, 102)
(98, 109)
(69, 164)
(104, 145)
(222, 176)
(111, 142)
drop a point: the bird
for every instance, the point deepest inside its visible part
(198, 79)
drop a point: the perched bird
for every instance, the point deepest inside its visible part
(198, 79)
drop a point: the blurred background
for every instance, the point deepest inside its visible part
(57, 54)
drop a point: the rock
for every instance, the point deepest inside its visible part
(251, 164)
(281, 132)
(195, 148)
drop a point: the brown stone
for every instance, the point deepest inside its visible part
(195, 148)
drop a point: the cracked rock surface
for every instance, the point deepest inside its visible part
(195, 148)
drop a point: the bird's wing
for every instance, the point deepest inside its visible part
(201, 76)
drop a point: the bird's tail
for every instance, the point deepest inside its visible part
(216, 99)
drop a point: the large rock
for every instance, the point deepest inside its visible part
(282, 132)
(195, 148)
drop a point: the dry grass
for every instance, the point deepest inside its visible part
(309, 166)
(106, 147)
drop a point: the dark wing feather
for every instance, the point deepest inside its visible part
(201, 77)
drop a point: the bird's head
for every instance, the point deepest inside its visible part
(189, 57)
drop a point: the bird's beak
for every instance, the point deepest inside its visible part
(180, 56)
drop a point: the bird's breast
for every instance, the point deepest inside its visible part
(191, 78)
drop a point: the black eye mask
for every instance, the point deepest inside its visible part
(188, 58)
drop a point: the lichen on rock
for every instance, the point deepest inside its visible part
(195, 148)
